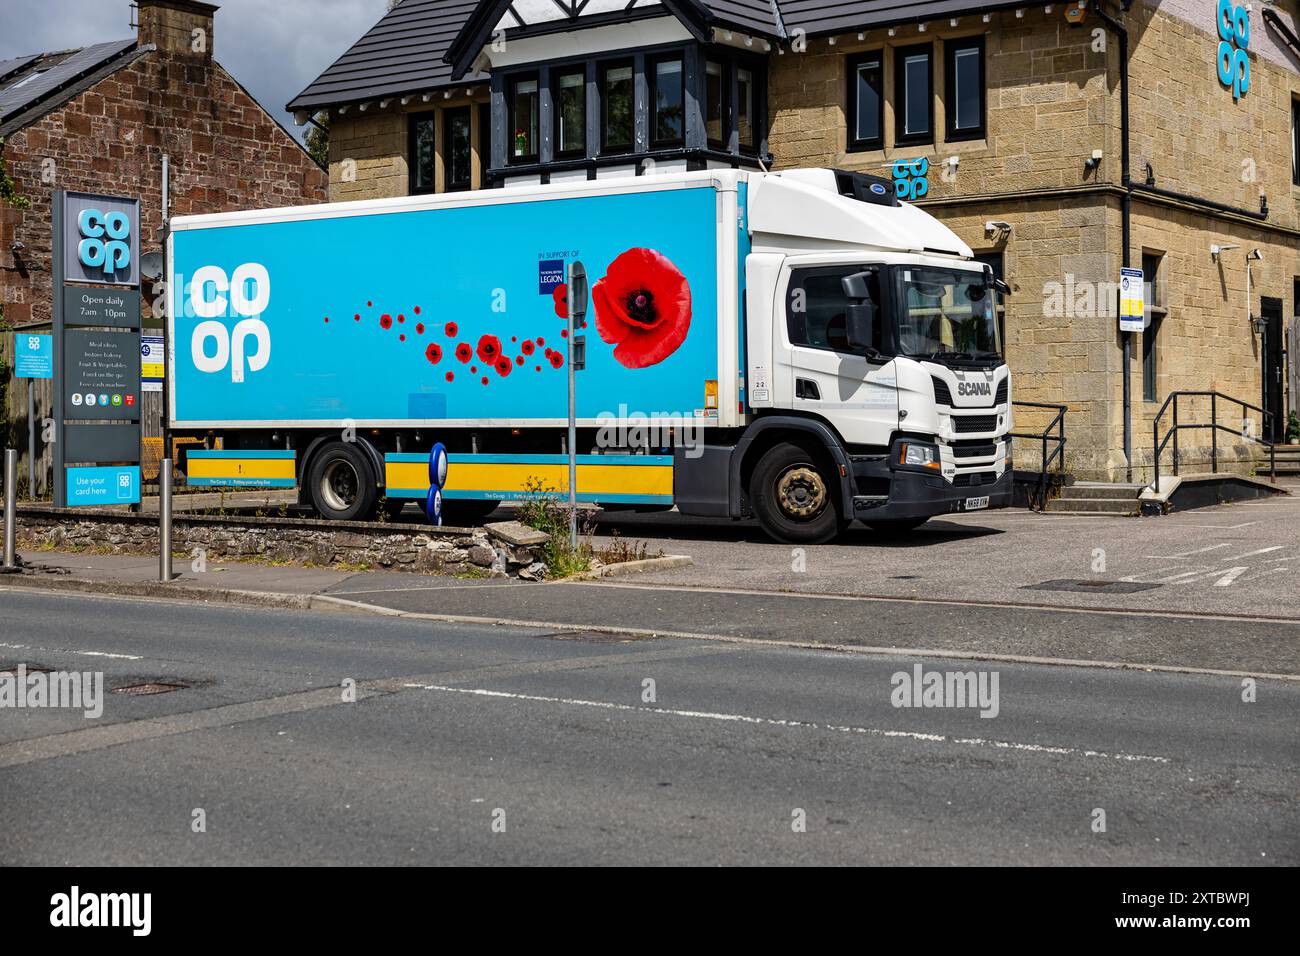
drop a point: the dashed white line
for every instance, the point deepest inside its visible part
(784, 722)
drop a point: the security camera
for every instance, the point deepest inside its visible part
(1255, 254)
(995, 226)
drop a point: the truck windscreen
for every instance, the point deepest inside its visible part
(946, 315)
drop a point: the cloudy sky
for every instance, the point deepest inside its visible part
(274, 47)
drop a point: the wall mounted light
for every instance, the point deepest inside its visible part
(1216, 250)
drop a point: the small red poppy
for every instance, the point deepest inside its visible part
(561, 296)
(434, 353)
(557, 359)
(464, 352)
(416, 310)
(527, 347)
(564, 333)
(400, 317)
(327, 318)
(513, 339)
(519, 360)
(357, 317)
(539, 368)
(473, 369)
(504, 366)
(369, 304)
(386, 321)
(485, 381)
(540, 340)
(451, 376)
(643, 307)
(401, 338)
(450, 329)
(419, 328)
(489, 347)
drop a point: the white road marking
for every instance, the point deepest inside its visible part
(1251, 554)
(1229, 576)
(1184, 554)
(56, 650)
(781, 722)
(116, 657)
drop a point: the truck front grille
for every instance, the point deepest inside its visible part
(974, 479)
(965, 424)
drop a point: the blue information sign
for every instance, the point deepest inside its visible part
(33, 356)
(104, 485)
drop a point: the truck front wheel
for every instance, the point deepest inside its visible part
(340, 483)
(794, 499)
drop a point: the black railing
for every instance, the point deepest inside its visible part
(1054, 434)
(1213, 425)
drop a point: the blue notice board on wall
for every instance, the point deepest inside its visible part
(33, 356)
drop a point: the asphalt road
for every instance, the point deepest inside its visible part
(475, 745)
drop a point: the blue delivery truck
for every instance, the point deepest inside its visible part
(797, 346)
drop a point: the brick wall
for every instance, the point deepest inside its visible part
(226, 153)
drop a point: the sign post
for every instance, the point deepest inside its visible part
(577, 312)
(33, 359)
(1132, 301)
(96, 349)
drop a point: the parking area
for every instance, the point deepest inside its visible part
(1232, 559)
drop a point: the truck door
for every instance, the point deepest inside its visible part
(855, 390)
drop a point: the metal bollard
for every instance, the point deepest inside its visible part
(11, 507)
(165, 521)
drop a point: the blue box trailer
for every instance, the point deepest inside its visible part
(332, 346)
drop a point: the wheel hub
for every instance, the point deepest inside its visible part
(339, 485)
(801, 492)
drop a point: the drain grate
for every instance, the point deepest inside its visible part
(591, 637)
(148, 688)
(1091, 586)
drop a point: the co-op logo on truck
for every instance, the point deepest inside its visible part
(245, 293)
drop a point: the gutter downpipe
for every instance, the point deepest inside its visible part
(1126, 212)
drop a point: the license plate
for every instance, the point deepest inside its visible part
(974, 504)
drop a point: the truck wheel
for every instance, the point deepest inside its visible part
(793, 499)
(465, 512)
(340, 483)
(896, 525)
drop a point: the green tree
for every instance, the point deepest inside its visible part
(318, 140)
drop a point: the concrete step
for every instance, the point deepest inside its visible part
(1102, 491)
(1087, 506)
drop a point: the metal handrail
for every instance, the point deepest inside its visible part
(1057, 453)
(1213, 424)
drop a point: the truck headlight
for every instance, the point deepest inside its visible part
(921, 456)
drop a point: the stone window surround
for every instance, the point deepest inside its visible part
(436, 112)
(889, 144)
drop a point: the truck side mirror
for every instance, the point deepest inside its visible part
(862, 316)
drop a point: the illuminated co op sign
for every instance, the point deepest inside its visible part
(101, 239)
(1234, 39)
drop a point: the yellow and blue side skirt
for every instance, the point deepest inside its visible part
(241, 469)
(628, 479)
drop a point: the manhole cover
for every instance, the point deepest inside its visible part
(30, 668)
(591, 637)
(147, 688)
(1091, 587)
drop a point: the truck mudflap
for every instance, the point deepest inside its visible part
(916, 495)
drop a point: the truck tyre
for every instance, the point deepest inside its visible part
(794, 498)
(896, 525)
(340, 483)
(465, 513)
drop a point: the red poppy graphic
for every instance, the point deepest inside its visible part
(451, 376)
(450, 329)
(419, 328)
(464, 352)
(527, 347)
(504, 366)
(643, 307)
(489, 348)
(386, 321)
(557, 359)
(433, 353)
(561, 296)
(519, 359)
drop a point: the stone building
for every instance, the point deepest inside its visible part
(100, 119)
(1061, 142)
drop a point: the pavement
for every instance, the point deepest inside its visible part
(477, 744)
(1208, 590)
